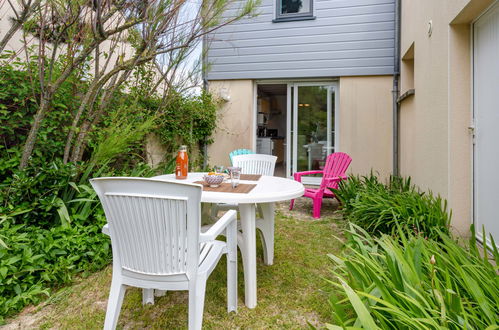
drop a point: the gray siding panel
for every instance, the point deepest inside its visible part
(310, 56)
(348, 37)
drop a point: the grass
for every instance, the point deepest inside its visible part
(291, 293)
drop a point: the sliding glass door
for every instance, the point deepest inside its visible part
(311, 126)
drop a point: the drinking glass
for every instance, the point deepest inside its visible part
(235, 175)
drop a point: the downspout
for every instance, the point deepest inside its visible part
(395, 90)
(205, 88)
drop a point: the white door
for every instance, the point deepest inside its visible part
(311, 126)
(486, 115)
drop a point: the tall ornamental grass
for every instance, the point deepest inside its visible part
(379, 207)
(409, 282)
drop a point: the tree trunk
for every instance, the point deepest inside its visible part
(68, 70)
(87, 101)
(46, 101)
(81, 140)
(93, 119)
(33, 132)
(80, 144)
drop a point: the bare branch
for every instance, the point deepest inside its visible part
(21, 18)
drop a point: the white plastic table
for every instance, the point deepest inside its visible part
(269, 189)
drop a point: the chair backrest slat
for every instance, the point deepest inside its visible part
(336, 165)
(255, 164)
(154, 225)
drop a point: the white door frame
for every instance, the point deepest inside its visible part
(289, 122)
(292, 126)
(289, 102)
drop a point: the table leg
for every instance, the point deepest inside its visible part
(247, 214)
(147, 296)
(266, 226)
(206, 213)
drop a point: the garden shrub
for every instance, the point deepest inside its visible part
(379, 208)
(18, 104)
(36, 189)
(33, 259)
(189, 121)
(409, 282)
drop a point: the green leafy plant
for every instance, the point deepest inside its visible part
(379, 208)
(34, 259)
(409, 282)
(37, 188)
(187, 121)
(18, 105)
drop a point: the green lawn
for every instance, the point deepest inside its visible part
(290, 292)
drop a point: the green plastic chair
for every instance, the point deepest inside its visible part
(238, 152)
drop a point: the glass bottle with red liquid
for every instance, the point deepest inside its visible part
(182, 164)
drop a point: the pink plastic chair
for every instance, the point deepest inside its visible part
(334, 171)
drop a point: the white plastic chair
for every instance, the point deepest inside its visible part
(155, 236)
(263, 165)
(255, 163)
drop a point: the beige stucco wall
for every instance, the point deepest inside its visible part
(365, 120)
(435, 143)
(235, 127)
(364, 117)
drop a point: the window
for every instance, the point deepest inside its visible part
(294, 10)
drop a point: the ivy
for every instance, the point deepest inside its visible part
(187, 121)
